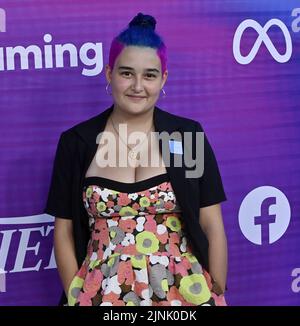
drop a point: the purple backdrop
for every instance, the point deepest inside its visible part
(234, 68)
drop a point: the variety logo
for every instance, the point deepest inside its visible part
(21, 240)
(264, 215)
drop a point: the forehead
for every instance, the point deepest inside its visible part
(139, 57)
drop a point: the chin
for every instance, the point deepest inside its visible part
(136, 109)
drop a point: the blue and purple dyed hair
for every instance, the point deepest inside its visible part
(141, 32)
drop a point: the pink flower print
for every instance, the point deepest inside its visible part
(96, 235)
(92, 201)
(119, 249)
(182, 267)
(93, 282)
(164, 186)
(151, 210)
(174, 294)
(207, 278)
(139, 287)
(174, 237)
(219, 299)
(101, 224)
(128, 226)
(171, 266)
(90, 250)
(153, 197)
(129, 250)
(123, 199)
(110, 297)
(186, 263)
(104, 239)
(150, 224)
(173, 250)
(93, 210)
(100, 253)
(146, 193)
(136, 206)
(110, 204)
(162, 238)
(103, 234)
(113, 298)
(119, 303)
(125, 273)
(82, 271)
(95, 196)
(169, 205)
(84, 299)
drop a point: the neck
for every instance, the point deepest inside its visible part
(135, 122)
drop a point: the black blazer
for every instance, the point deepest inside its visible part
(75, 151)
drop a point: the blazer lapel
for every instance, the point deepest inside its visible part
(166, 122)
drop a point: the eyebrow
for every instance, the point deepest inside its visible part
(131, 69)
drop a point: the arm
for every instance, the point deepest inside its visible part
(64, 251)
(211, 223)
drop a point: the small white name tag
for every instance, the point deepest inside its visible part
(175, 147)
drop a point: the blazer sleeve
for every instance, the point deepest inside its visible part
(59, 199)
(210, 183)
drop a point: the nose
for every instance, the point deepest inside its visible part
(137, 85)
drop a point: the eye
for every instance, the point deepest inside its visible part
(150, 76)
(126, 73)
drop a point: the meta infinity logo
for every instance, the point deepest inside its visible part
(263, 37)
(2, 20)
(264, 215)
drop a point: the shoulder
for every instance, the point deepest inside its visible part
(81, 126)
(186, 124)
(88, 129)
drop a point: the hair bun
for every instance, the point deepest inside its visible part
(142, 20)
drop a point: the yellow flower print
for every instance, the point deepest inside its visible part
(164, 285)
(89, 192)
(101, 206)
(75, 286)
(139, 261)
(127, 211)
(94, 263)
(194, 289)
(173, 223)
(147, 243)
(192, 259)
(144, 202)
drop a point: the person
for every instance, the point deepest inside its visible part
(137, 234)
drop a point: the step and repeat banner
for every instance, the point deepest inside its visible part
(234, 66)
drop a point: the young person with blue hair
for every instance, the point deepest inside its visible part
(137, 234)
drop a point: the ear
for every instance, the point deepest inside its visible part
(164, 78)
(108, 73)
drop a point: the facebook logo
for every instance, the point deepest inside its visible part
(264, 215)
(2, 20)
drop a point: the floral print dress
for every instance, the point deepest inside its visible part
(138, 254)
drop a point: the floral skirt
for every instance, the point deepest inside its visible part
(144, 280)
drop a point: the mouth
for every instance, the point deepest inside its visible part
(136, 98)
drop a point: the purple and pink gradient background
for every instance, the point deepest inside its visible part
(250, 114)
